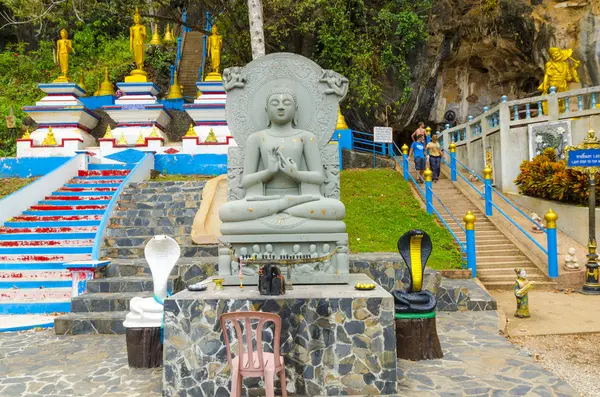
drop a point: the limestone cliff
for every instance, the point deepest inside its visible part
(479, 50)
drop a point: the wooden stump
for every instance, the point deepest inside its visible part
(144, 347)
(416, 337)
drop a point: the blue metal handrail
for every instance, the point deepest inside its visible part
(414, 180)
(518, 209)
(465, 179)
(521, 229)
(448, 211)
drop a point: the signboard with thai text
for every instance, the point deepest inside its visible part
(383, 134)
(583, 158)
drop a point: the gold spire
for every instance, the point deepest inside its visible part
(175, 90)
(49, 140)
(106, 88)
(155, 36)
(97, 92)
(81, 83)
(153, 132)
(26, 135)
(190, 131)
(341, 121)
(122, 141)
(140, 140)
(108, 134)
(168, 38)
(211, 136)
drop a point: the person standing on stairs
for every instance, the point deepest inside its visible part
(417, 151)
(435, 156)
(418, 132)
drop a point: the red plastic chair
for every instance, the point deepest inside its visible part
(254, 364)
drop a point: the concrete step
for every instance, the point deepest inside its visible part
(43, 230)
(511, 265)
(191, 267)
(509, 285)
(90, 323)
(103, 173)
(508, 277)
(105, 302)
(517, 258)
(103, 167)
(494, 253)
(18, 275)
(34, 294)
(125, 284)
(136, 252)
(36, 258)
(48, 243)
(505, 270)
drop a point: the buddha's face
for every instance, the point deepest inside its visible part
(214, 30)
(136, 19)
(63, 34)
(281, 108)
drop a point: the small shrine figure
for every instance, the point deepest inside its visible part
(49, 140)
(327, 262)
(535, 228)
(141, 140)
(256, 252)
(64, 47)
(153, 132)
(297, 253)
(571, 260)
(155, 36)
(522, 287)
(26, 135)
(211, 138)
(168, 38)
(122, 141)
(214, 46)
(269, 252)
(108, 134)
(191, 131)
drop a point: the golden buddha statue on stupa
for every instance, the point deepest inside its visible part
(49, 140)
(64, 47)
(214, 46)
(559, 73)
(137, 43)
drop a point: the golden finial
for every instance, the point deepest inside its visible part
(404, 149)
(140, 140)
(469, 219)
(341, 121)
(153, 132)
(49, 140)
(190, 131)
(168, 38)
(211, 138)
(137, 12)
(106, 88)
(427, 174)
(81, 83)
(487, 173)
(108, 134)
(122, 141)
(551, 217)
(155, 36)
(452, 147)
(428, 130)
(175, 90)
(26, 135)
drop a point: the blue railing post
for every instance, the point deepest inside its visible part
(428, 192)
(470, 234)
(172, 79)
(178, 58)
(405, 161)
(453, 161)
(340, 150)
(551, 219)
(487, 176)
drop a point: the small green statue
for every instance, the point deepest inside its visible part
(522, 287)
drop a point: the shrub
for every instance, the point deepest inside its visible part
(548, 178)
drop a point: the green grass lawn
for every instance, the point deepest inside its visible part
(380, 207)
(9, 185)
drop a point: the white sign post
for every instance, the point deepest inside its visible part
(383, 134)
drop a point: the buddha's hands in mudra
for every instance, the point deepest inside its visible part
(288, 167)
(273, 161)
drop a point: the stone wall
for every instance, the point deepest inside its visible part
(352, 159)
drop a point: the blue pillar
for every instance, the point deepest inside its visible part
(551, 219)
(405, 162)
(453, 162)
(487, 177)
(428, 192)
(345, 139)
(172, 68)
(470, 234)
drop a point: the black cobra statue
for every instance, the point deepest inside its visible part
(415, 248)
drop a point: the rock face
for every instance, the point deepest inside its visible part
(480, 50)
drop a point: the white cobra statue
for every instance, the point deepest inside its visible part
(162, 253)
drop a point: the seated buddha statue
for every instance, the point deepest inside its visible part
(282, 178)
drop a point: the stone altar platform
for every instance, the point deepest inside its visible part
(334, 339)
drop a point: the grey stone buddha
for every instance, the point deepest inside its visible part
(283, 190)
(282, 176)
